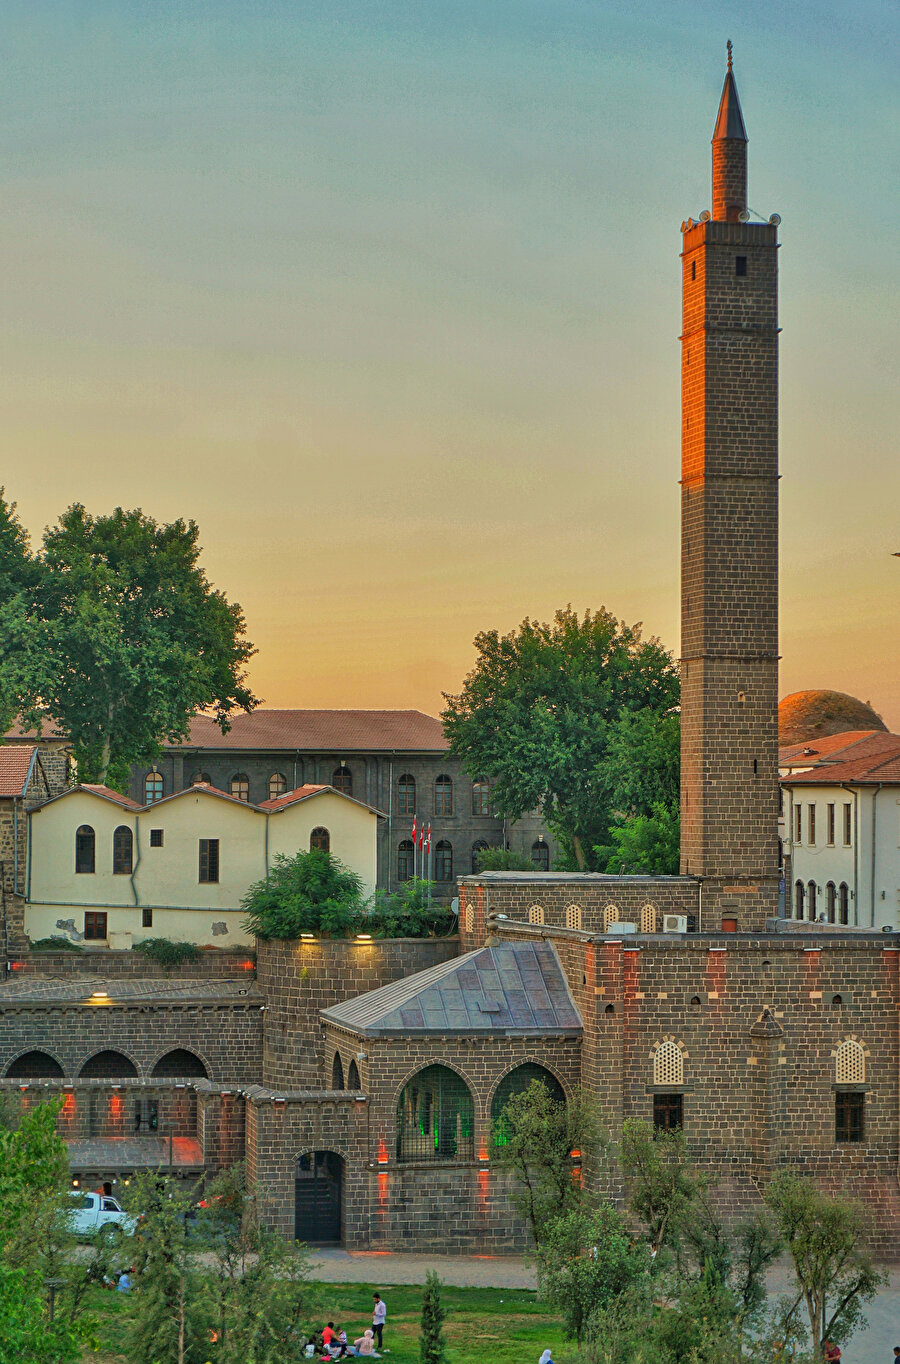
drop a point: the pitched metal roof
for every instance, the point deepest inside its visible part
(334, 731)
(511, 987)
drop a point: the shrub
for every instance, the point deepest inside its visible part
(311, 892)
(504, 859)
(56, 944)
(166, 952)
(410, 913)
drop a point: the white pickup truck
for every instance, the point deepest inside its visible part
(91, 1211)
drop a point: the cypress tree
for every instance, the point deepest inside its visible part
(431, 1340)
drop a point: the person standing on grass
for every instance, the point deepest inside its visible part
(379, 1316)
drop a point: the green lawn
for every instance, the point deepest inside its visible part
(504, 1325)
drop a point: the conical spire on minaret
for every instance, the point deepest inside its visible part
(729, 153)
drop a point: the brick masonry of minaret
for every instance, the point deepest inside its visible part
(730, 567)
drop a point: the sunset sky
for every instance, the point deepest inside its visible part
(386, 297)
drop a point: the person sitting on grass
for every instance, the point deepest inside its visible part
(366, 1344)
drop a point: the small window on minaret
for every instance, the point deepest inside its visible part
(740, 265)
(693, 269)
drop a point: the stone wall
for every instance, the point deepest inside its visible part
(301, 978)
(224, 964)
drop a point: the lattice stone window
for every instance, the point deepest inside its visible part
(850, 1063)
(648, 919)
(470, 919)
(573, 916)
(536, 914)
(668, 1063)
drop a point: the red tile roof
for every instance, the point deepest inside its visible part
(49, 730)
(334, 731)
(292, 797)
(109, 794)
(877, 765)
(15, 764)
(816, 749)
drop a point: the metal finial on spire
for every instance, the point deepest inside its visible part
(728, 46)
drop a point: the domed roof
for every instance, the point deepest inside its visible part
(814, 714)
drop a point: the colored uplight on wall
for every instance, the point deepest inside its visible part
(382, 1151)
(248, 965)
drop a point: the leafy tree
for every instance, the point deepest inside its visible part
(409, 912)
(431, 1339)
(311, 892)
(649, 844)
(21, 656)
(503, 859)
(585, 1260)
(834, 1272)
(663, 1186)
(135, 640)
(25, 1332)
(534, 1138)
(171, 1318)
(535, 713)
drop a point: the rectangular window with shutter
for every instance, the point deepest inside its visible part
(848, 823)
(811, 825)
(831, 826)
(209, 860)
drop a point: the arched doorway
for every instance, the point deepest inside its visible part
(317, 1198)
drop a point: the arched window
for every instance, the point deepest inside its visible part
(406, 860)
(573, 916)
(443, 861)
(443, 795)
(320, 840)
(406, 789)
(240, 786)
(540, 855)
(610, 917)
(123, 851)
(477, 849)
(85, 843)
(337, 1072)
(799, 898)
(811, 901)
(668, 1064)
(107, 1065)
(470, 919)
(648, 919)
(830, 901)
(201, 779)
(277, 785)
(481, 798)
(435, 1117)
(516, 1082)
(177, 1063)
(353, 1076)
(850, 1063)
(153, 788)
(844, 902)
(342, 780)
(536, 914)
(35, 1065)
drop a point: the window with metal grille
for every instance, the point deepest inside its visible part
(406, 791)
(668, 1064)
(146, 917)
(573, 916)
(443, 795)
(540, 855)
(406, 860)
(811, 825)
(848, 824)
(156, 838)
(153, 788)
(477, 849)
(481, 796)
(516, 1082)
(830, 824)
(850, 1063)
(85, 847)
(648, 919)
(610, 916)
(277, 785)
(209, 860)
(844, 902)
(443, 861)
(146, 1115)
(123, 851)
(536, 914)
(240, 786)
(320, 840)
(668, 1111)
(342, 780)
(849, 1115)
(95, 925)
(435, 1117)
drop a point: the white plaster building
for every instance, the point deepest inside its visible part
(842, 830)
(105, 871)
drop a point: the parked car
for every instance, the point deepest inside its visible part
(92, 1211)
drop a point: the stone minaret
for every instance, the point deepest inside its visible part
(729, 544)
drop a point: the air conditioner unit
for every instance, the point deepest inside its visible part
(618, 929)
(674, 923)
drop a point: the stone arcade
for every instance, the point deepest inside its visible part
(358, 1079)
